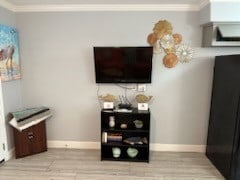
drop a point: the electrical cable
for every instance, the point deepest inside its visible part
(99, 102)
(124, 87)
(126, 97)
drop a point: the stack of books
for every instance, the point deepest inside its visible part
(111, 137)
(114, 137)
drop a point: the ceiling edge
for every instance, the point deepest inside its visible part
(7, 5)
(203, 3)
(227, 1)
(106, 7)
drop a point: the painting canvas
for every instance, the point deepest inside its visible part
(9, 53)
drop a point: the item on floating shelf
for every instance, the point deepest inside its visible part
(123, 110)
(108, 98)
(132, 152)
(123, 126)
(135, 140)
(108, 101)
(104, 137)
(170, 44)
(114, 137)
(141, 98)
(138, 124)
(144, 140)
(124, 103)
(111, 121)
(142, 101)
(29, 117)
(116, 151)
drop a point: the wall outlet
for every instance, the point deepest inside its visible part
(142, 87)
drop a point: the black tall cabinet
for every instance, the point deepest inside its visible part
(224, 122)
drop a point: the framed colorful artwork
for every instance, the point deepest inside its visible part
(9, 54)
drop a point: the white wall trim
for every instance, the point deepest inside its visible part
(3, 127)
(96, 145)
(224, 1)
(203, 3)
(74, 144)
(7, 5)
(10, 154)
(153, 146)
(106, 7)
(178, 147)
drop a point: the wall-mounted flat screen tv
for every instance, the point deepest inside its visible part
(123, 64)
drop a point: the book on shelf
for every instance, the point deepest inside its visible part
(111, 137)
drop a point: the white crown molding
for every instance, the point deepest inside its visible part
(203, 3)
(178, 147)
(153, 146)
(7, 5)
(227, 1)
(106, 7)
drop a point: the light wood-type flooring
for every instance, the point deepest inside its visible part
(69, 164)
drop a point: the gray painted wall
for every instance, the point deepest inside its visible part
(58, 71)
(231, 11)
(205, 14)
(213, 12)
(12, 89)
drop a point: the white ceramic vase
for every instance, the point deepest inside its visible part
(111, 121)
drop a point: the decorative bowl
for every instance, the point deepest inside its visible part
(132, 152)
(116, 152)
(138, 123)
(123, 126)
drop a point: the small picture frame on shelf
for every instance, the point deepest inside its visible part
(143, 106)
(108, 105)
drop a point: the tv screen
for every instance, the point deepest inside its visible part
(123, 64)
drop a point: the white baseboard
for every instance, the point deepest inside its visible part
(74, 144)
(10, 154)
(153, 146)
(178, 147)
(96, 145)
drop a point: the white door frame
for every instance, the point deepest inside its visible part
(3, 132)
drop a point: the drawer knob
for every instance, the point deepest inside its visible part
(30, 133)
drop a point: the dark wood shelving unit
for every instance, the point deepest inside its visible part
(123, 144)
(123, 130)
(131, 131)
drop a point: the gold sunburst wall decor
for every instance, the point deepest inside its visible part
(164, 40)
